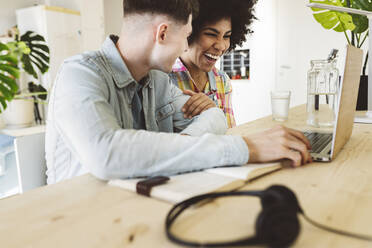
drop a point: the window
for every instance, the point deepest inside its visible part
(236, 64)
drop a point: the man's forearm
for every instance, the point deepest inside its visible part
(210, 121)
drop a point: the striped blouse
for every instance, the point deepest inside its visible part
(218, 87)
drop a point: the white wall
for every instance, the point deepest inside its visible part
(286, 38)
(99, 17)
(301, 39)
(92, 19)
(8, 8)
(68, 4)
(93, 23)
(251, 99)
(113, 16)
(7, 12)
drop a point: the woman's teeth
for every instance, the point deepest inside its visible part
(212, 56)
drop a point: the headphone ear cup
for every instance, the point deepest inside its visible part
(277, 226)
(279, 194)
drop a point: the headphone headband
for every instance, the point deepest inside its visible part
(276, 226)
(270, 196)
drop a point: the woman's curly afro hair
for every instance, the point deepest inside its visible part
(211, 11)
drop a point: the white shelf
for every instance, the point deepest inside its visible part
(9, 181)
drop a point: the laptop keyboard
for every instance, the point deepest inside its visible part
(318, 141)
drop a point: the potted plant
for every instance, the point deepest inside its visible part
(32, 55)
(355, 29)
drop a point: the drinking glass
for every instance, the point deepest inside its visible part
(280, 105)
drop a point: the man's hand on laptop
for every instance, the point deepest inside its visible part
(279, 143)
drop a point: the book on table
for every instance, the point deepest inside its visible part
(183, 186)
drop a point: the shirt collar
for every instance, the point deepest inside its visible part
(178, 66)
(119, 69)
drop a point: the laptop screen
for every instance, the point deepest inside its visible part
(347, 99)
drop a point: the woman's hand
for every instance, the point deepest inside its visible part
(197, 103)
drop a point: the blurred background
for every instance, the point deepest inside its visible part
(276, 56)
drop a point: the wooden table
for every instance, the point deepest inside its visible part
(86, 212)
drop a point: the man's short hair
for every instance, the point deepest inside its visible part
(179, 10)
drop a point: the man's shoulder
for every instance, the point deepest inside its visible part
(161, 79)
(88, 64)
(91, 58)
(159, 74)
(162, 85)
(82, 69)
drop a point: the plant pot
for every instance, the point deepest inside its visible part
(362, 102)
(19, 113)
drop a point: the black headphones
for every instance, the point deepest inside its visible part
(277, 224)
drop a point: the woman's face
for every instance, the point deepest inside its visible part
(212, 43)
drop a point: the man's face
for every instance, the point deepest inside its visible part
(174, 45)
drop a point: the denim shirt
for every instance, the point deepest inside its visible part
(90, 124)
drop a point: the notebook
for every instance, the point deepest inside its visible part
(325, 145)
(184, 186)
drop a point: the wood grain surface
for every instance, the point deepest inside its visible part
(86, 212)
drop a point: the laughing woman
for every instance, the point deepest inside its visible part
(220, 27)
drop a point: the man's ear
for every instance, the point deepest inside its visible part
(161, 32)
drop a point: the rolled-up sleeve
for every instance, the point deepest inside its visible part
(210, 121)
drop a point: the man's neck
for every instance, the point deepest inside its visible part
(135, 58)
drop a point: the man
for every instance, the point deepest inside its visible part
(113, 113)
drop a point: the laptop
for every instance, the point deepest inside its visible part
(326, 146)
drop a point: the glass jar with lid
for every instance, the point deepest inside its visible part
(322, 93)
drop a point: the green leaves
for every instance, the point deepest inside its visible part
(361, 4)
(3, 47)
(361, 22)
(342, 22)
(338, 21)
(38, 90)
(38, 58)
(9, 58)
(32, 50)
(18, 48)
(8, 74)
